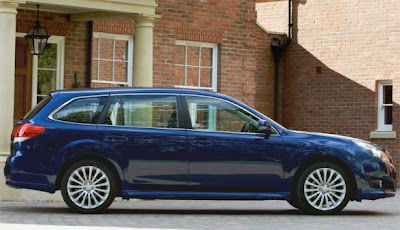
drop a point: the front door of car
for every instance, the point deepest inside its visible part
(144, 131)
(226, 151)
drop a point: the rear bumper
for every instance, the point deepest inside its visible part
(20, 179)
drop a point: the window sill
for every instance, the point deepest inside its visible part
(382, 135)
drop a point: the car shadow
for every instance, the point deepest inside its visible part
(182, 211)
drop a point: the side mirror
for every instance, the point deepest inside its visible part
(264, 128)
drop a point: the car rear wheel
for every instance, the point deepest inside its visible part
(88, 187)
(323, 188)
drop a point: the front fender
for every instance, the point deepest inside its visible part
(310, 150)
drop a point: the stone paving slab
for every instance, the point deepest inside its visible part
(173, 214)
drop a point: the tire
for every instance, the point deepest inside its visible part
(324, 188)
(294, 203)
(88, 186)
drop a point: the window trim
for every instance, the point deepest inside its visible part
(129, 67)
(381, 108)
(214, 67)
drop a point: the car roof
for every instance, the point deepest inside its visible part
(127, 90)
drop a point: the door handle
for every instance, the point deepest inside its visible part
(202, 141)
(116, 138)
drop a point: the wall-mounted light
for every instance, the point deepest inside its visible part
(37, 37)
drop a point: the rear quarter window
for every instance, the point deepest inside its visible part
(36, 109)
(82, 110)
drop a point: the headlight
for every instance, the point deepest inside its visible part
(373, 151)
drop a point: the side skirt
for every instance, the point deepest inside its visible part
(204, 195)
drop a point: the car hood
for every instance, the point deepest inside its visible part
(337, 137)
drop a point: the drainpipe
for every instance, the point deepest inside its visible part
(89, 55)
(277, 50)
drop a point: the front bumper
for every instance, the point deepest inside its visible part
(382, 185)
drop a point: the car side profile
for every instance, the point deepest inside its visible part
(148, 143)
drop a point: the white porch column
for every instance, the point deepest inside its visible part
(8, 12)
(143, 51)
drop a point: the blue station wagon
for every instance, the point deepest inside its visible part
(147, 143)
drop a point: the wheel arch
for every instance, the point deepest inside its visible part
(90, 156)
(307, 163)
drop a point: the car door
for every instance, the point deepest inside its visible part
(145, 131)
(226, 151)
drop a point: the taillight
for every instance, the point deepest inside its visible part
(26, 131)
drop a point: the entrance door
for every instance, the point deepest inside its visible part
(23, 79)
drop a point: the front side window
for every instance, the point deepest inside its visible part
(217, 115)
(385, 106)
(196, 65)
(156, 111)
(84, 110)
(112, 60)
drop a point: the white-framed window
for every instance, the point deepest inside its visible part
(112, 60)
(196, 65)
(48, 68)
(385, 106)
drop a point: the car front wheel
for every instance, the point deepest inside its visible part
(88, 187)
(323, 188)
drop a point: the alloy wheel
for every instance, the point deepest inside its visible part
(88, 187)
(325, 189)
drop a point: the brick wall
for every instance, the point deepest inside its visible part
(75, 34)
(340, 51)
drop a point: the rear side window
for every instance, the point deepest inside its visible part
(84, 110)
(154, 111)
(35, 110)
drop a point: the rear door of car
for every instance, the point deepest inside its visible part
(146, 130)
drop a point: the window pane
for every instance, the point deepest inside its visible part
(206, 57)
(388, 115)
(180, 54)
(46, 81)
(106, 71)
(192, 76)
(205, 77)
(145, 111)
(179, 75)
(193, 55)
(95, 47)
(216, 115)
(106, 48)
(86, 110)
(121, 50)
(120, 73)
(387, 94)
(49, 57)
(94, 69)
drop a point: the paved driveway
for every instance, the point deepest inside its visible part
(162, 214)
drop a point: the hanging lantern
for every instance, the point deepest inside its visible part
(37, 37)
